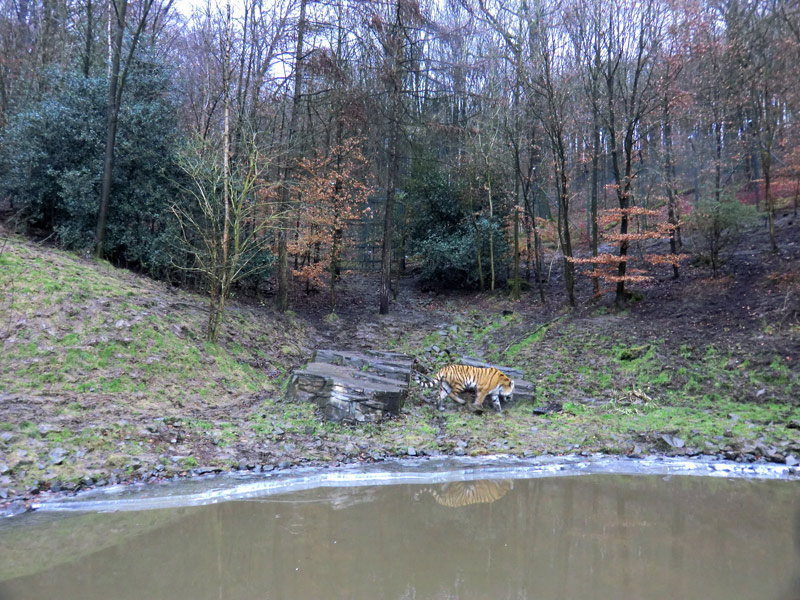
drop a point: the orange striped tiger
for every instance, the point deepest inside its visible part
(484, 381)
(463, 493)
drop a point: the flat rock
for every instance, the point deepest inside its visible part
(392, 365)
(353, 387)
(57, 455)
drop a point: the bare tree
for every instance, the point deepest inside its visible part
(389, 24)
(632, 42)
(297, 94)
(224, 214)
(118, 75)
(536, 42)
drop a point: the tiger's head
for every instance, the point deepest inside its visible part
(507, 389)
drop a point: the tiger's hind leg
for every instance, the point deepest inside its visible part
(479, 398)
(444, 391)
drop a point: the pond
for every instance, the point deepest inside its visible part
(467, 532)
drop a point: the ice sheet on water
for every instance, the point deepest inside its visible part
(222, 488)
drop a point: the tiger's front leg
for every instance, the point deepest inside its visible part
(496, 402)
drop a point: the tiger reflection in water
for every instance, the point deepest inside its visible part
(464, 493)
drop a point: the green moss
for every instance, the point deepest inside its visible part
(189, 462)
(514, 350)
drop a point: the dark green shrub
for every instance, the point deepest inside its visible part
(443, 234)
(51, 165)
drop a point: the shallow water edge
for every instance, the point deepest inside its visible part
(213, 489)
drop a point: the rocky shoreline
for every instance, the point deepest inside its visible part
(739, 451)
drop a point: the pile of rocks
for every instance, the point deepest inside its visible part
(353, 387)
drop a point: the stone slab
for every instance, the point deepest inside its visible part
(348, 394)
(392, 365)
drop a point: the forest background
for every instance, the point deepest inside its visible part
(270, 146)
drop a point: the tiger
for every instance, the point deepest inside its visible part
(484, 381)
(463, 493)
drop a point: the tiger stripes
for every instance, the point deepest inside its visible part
(464, 493)
(484, 381)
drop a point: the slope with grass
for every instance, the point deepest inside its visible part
(104, 376)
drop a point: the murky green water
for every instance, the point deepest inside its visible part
(588, 537)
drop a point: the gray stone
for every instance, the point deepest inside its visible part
(673, 441)
(45, 428)
(57, 455)
(4, 469)
(391, 365)
(353, 387)
(791, 460)
(207, 470)
(17, 507)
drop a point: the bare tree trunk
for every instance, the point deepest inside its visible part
(283, 254)
(388, 217)
(769, 126)
(754, 164)
(717, 161)
(226, 172)
(563, 218)
(112, 118)
(515, 287)
(491, 228)
(478, 241)
(116, 87)
(334, 265)
(594, 191)
(392, 49)
(87, 56)
(767, 165)
(669, 179)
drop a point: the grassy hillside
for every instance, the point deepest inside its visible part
(91, 354)
(105, 377)
(81, 327)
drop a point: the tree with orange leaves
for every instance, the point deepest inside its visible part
(607, 264)
(334, 192)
